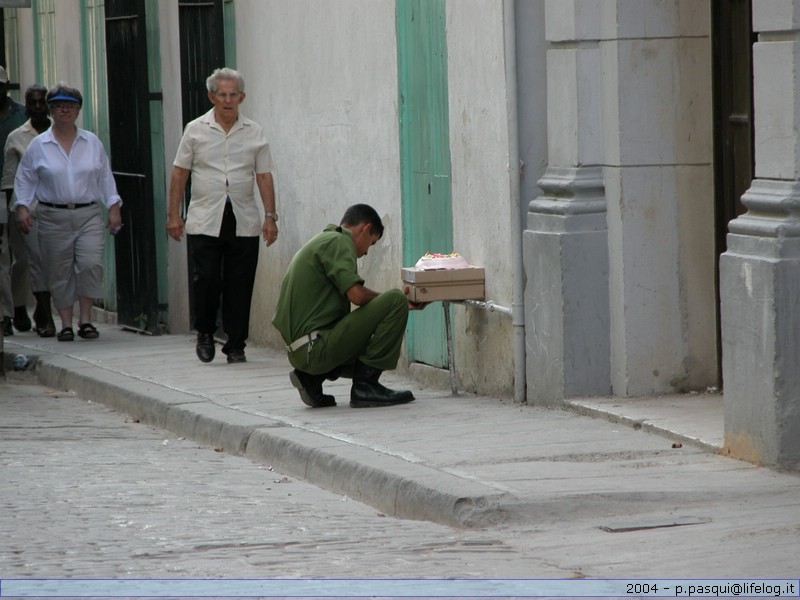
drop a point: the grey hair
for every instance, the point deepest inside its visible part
(224, 73)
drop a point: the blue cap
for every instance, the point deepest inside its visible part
(63, 97)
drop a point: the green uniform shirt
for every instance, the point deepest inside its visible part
(314, 291)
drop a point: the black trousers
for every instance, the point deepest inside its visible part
(224, 272)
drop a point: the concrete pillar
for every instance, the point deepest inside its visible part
(760, 272)
(656, 103)
(565, 243)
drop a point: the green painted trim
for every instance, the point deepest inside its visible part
(93, 44)
(95, 114)
(45, 34)
(38, 59)
(11, 35)
(229, 29)
(157, 155)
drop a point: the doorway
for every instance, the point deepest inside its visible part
(131, 161)
(202, 43)
(734, 167)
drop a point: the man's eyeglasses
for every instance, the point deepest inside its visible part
(228, 96)
(63, 106)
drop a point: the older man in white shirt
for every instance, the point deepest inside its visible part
(225, 153)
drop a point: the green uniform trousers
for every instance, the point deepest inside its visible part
(371, 334)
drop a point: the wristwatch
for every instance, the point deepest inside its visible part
(271, 215)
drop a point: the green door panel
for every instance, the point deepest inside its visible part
(425, 158)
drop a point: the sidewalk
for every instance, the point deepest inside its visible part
(462, 461)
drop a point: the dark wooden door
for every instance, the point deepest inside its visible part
(130, 150)
(734, 166)
(733, 41)
(202, 42)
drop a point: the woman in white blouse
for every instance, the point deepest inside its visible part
(67, 170)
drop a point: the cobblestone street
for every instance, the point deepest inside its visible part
(88, 493)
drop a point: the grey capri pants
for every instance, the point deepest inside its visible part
(71, 244)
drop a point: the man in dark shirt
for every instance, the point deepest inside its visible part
(12, 115)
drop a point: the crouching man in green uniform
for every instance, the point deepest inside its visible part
(324, 338)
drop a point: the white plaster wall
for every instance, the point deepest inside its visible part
(322, 79)
(27, 64)
(479, 148)
(69, 54)
(68, 43)
(68, 47)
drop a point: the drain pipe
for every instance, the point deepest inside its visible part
(518, 295)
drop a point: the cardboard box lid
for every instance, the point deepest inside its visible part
(412, 275)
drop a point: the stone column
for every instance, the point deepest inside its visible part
(657, 117)
(565, 245)
(760, 272)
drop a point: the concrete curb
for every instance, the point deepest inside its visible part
(391, 484)
(643, 424)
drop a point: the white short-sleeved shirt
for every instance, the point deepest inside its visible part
(223, 166)
(16, 145)
(48, 174)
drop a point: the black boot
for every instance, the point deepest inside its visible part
(43, 315)
(310, 388)
(366, 390)
(21, 319)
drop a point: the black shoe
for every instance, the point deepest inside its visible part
(367, 392)
(205, 347)
(21, 319)
(8, 329)
(310, 388)
(236, 356)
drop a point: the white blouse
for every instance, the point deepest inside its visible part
(48, 174)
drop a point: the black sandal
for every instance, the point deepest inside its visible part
(88, 331)
(66, 335)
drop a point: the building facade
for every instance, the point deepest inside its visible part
(590, 154)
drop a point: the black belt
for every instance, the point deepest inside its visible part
(69, 205)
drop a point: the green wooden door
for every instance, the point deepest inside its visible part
(425, 158)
